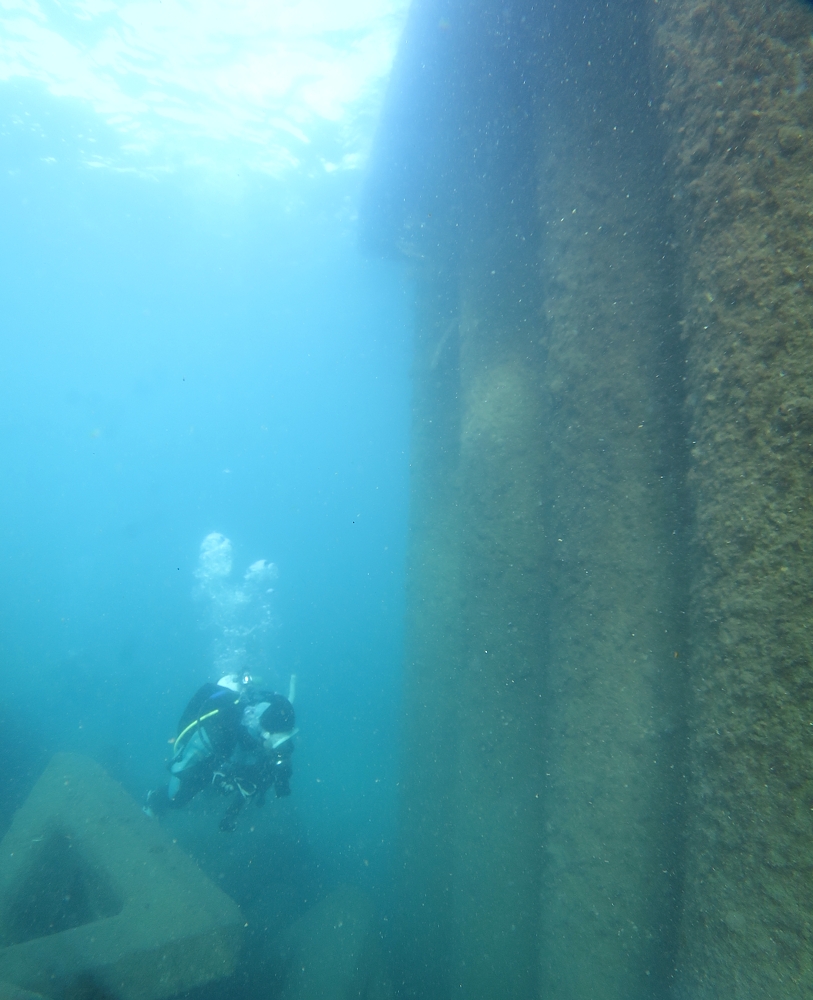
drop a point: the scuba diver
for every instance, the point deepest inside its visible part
(234, 737)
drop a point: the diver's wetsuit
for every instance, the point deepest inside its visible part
(215, 747)
(208, 731)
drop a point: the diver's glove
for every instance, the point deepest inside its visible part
(282, 777)
(224, 781)
(156, 803)
(247, 790)
(229, 821)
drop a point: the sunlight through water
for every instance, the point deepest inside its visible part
(273, 87)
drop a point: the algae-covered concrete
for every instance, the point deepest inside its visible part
(610, 212)
(334, 952)
(92, 891)
(614, 787)
(476, 633)
(500, 732)
(432, 645)
(468, 901)
(546, 512)
(738, 111)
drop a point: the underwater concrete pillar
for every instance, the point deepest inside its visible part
(611, 877)
(738, 111)
(476, 629)
(503, 545)
(432, 647)
(476, 618)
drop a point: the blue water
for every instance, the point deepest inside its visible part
(185, 352)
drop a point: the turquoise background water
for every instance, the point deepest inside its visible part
(181, 354)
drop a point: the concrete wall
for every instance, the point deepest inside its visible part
(476, 635)
(433, 655)
(617, 635)
(609, 692)
(501, 733)
(738, 111)
(617, 639)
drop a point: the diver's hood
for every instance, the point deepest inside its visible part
(252, 716)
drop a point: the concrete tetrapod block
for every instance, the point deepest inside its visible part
(91, 890)
(334, 952)
(8, 992)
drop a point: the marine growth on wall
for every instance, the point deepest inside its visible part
(608, 213)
